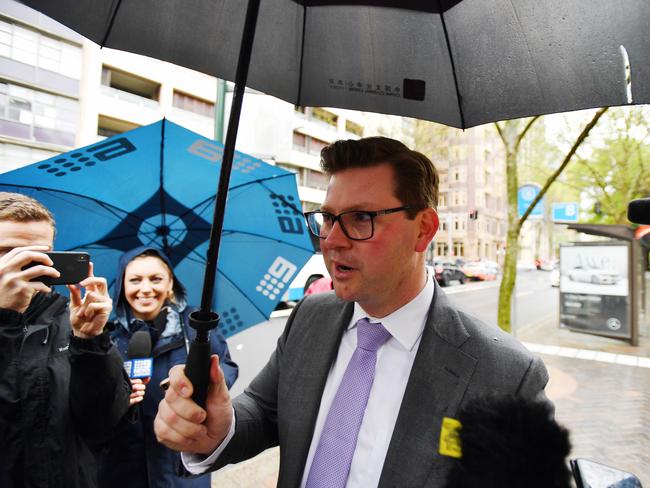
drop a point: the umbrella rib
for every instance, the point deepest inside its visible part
(110, 24)
(260, 181)
(453, 67)
(267, 238)
(106, 206)
(242, 293)
(267, 178)
(302, 52)
(201, 259)
(161, 187)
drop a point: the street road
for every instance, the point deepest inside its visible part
(536, 302)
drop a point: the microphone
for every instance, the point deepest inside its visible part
(139, 364)
(510, 442)
(638, 211)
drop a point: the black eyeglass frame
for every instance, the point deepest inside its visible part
(371, 213)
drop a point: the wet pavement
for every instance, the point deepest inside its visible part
(601, 390)
(600, 387)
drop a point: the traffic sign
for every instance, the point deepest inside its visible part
(525, 196)
(565, 212)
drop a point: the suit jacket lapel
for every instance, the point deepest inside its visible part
(436, 385)
(309, 369)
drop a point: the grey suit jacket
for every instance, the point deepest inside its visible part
(459, 358)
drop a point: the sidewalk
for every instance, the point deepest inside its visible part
(601, 391)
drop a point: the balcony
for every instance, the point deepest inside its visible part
(123, 105)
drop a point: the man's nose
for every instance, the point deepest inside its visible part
(336, 237)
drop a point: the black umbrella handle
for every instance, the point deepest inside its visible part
(197, 368)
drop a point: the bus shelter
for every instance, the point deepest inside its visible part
(603, 284)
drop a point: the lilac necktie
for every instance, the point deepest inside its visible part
(331, 464)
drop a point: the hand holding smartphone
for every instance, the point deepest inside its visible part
(73, 267)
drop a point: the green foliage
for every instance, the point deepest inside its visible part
(617, 169)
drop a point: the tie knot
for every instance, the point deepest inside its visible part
(371, 336)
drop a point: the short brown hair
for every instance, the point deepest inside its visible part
(415, 175)
(17, 207)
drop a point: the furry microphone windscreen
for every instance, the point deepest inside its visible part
(509, 442)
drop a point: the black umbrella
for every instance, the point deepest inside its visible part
(457, 62)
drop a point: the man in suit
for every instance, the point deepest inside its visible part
(357, 391)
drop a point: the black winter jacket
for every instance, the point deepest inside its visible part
(57, 392)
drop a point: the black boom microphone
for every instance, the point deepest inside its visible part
(510, 442)
(638, 211)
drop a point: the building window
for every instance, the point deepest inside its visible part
(316, 179)
(31, 47)
(37, 115)
(325, 116)
(299, 141)
(193, 104)
(459, 198)
(308, 144)
(315, 145)
(14, 156)
(293, 169)
(130, 83)
(441, 249)
(354, 128)
(442, 199)
(459, 248)
(108, 126)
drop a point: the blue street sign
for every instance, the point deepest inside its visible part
(525, 196)
(565, 212)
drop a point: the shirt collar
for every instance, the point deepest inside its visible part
(406, 323)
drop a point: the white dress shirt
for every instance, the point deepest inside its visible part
(394, 362)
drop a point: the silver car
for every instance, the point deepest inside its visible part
(597, 276)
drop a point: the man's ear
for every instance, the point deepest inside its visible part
(428, 219)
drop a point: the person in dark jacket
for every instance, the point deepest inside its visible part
(62, 384)
(149, 297)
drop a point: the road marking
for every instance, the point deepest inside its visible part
(483, 285)
(589, 355)
(281, 313)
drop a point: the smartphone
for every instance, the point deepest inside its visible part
(73, 267)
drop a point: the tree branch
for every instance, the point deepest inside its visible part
(583, 135)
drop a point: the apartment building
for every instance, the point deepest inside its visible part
(292, 137)
(40, 86)
(472, 200)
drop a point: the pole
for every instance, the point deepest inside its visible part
(219, 110)
(450, 249)
(197, 368)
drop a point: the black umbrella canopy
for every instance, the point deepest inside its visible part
(460, 63)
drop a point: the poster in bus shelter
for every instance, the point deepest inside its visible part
(594, 288)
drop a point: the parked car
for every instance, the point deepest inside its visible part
(314, 270)
(478, 270)
(492, 266)
(446, 271)
(554, 277)
(597, 276)
(547, 264)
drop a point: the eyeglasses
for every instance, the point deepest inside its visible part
(357, 225)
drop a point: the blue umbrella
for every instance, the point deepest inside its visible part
(155, 185)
